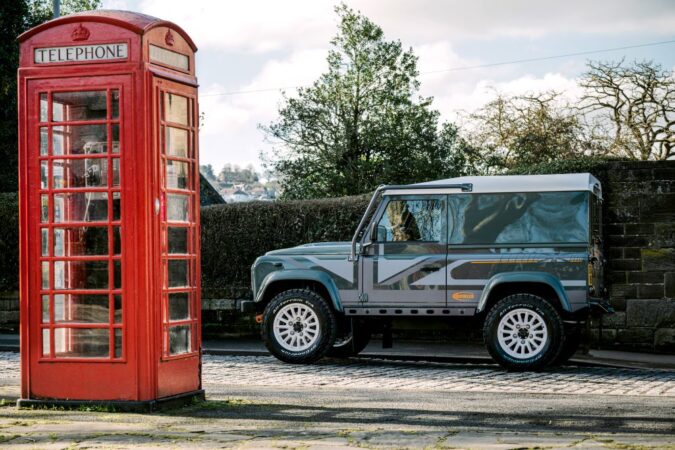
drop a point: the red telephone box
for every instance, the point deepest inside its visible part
(109, 211)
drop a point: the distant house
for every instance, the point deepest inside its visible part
(241, 196)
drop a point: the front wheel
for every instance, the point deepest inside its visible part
(523, 332)
(298, 326)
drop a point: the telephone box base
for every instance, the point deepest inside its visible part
(175, 401)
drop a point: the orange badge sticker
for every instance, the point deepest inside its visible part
(463, 296)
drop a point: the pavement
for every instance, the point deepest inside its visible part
(259, 402)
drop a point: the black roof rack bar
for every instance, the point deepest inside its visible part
(465, 187)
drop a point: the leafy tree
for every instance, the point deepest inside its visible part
(235, 174)
(632, 108)
(360, 124)
(17, 16)
(513, 131)
(207, 171)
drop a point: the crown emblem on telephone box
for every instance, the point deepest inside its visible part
(80, 33)
(168, 38)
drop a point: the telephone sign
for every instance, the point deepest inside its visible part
(81, 53)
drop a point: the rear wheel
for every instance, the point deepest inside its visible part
(298, 326)
(523, 332)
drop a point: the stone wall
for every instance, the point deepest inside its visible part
(639, 225)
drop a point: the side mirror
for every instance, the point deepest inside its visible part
(369, 232)
(372, 231)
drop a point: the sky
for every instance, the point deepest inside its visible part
(250, 49)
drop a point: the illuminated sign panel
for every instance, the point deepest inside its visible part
(168, 58)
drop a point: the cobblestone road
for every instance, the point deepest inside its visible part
(390, 375)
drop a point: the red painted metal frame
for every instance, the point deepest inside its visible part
(144, 371)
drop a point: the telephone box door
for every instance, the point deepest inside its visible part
(81, 301)
(178, 173)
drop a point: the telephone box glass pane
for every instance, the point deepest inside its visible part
(76, 308)
(81, 342)
(178, 272)
(45, 275)
(117, 241)
(44, 172)
(117, 274)
(116, 206)
(177, 238)
(76, 106)
(81, 275)
(44, 141)
(115, 138)
(115, 109)
(44, 206)
(45, 342)
(79, 140)
(77, 173)
(177, 208)
(118, 343)
(45, 309)
(175, 108)
(180, 339)
(44, 107)
(118, 309)
(176, 174)
(77, 241)
(45, 241)
(81, 207)
(179, 306)
(116, 172)
(176, 142)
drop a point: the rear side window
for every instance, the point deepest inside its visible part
(522, 218)
(412, 220)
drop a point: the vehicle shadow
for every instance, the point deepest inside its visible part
(556, 421)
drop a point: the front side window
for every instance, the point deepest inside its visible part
(406, 220)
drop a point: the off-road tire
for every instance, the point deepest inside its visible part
(353, 344)
(327, 326)
(554, 329)
(572, 343)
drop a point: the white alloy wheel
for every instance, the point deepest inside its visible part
(296, 327)
(522, 333)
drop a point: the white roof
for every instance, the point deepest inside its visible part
(523, 183)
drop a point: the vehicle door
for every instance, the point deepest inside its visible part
(405, 264)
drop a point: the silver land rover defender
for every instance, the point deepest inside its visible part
(519, 256)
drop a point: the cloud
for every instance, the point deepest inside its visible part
(250, 25)
(266, 25)
(230, 132)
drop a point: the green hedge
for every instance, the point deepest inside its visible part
(234, 235)
(9, 242)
